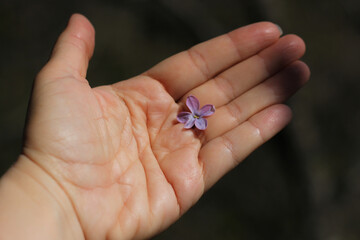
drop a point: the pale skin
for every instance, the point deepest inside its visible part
(111, 162)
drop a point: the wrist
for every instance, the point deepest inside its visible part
(33, 205)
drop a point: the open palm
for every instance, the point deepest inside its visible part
(127, 166)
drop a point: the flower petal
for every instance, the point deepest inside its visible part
(183, 117)
(207, 110)
(201, 123)
(193, 104)
(190, 123)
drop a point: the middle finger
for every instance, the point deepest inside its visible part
(245, 75)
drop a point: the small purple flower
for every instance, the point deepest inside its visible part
(196, 115)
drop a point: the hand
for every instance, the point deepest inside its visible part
(114, 159)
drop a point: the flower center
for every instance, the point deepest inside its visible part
(196, 116)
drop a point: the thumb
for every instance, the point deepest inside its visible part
(72, 51)
(57, 87)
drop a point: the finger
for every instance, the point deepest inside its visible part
(225, 152)
(186, 70)
(238, 79)
(73, 49)
(274, 90)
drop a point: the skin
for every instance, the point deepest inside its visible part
(111, 162)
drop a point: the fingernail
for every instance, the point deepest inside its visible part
(280, 30)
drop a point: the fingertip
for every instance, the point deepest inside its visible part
(271, 120)
(81, 27)
(270, 28)
(72, 51)
(262, 35)
(280, 115)
(286, 50)
(293, 45)
(267, 30)
(74, 47)
(301, 71)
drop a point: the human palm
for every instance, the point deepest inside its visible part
(127, 166)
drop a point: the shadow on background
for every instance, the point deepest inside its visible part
(303, 184)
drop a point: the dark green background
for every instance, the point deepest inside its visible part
(303, 184)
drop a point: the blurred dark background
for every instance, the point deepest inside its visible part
(303, 184)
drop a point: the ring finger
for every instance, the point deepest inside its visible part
(274, 90)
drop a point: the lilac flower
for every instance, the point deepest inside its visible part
(196, 115)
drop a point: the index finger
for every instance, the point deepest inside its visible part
(189, 69)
